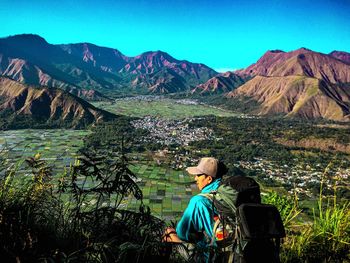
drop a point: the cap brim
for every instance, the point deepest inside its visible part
(193, 170)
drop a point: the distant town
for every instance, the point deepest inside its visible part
(298, 178)
(168, 132)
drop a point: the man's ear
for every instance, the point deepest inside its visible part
(210, 179)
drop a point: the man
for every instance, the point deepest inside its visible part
(196, 224)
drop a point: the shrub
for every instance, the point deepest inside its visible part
(79, 217)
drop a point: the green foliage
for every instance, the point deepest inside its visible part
(326, 239)
(26, 210)
(288, 207)
(79, 218)
(9, 120)
(108, 135)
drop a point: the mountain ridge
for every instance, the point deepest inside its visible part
(94, 72)
(221, 83)
(85, 66)
(301, 83)
(296, 96)
(341, 55)
(47, 105)
(299, 62)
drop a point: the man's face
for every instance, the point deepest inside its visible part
(202, 180)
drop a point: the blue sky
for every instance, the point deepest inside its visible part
(221, 34)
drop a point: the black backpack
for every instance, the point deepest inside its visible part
(248, 230)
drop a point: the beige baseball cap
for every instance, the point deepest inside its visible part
(207, 165)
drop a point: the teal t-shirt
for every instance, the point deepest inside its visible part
(196, 224)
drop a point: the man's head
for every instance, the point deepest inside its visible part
(205, 172)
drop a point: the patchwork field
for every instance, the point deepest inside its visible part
(58, 146)
(166, 191)
(166, 108)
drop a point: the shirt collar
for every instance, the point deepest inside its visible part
(212, 186)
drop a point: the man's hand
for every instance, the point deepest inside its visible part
(171, 236)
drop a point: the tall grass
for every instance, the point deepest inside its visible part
(325, 239)
(287, 206)
(326, 236)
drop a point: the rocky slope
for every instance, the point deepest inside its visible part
(297, 96)
(221, 83)
(47, 105)
(31, 60)
(107, 59)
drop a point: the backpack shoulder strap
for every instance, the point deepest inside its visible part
(210, 195)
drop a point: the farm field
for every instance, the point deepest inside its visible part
(57, 146)
(166, 191)
(166, 108)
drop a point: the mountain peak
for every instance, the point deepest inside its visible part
(87, 44)
(33, 38)
(276, 51)
(337, 51)
(157, 53)
(303, 49)
(159, 57)
(341, 55)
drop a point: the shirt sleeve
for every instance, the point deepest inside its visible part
(197, 219)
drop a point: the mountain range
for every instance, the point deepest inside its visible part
(300, 83)
(94, 72)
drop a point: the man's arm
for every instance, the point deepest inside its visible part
(197, 218)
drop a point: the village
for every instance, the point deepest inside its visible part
(299, 179)
(171, 132)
